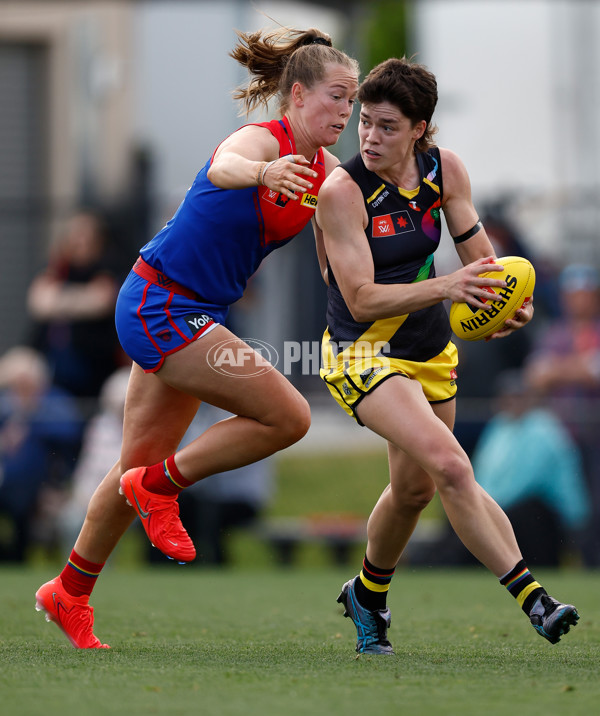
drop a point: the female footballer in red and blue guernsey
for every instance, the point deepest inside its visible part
(257, 191)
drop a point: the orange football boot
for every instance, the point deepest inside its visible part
(160, 517)
(71, 614)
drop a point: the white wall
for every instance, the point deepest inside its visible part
(494, 69)
(184, 76)
(519, 101)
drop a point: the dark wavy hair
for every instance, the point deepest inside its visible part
(410, 87)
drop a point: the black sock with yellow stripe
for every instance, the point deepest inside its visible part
(372, 586)
(522, 586)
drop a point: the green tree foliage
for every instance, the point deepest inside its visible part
(387, 31)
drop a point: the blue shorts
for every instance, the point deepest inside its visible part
(154, 320)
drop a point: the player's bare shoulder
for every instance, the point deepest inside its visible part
(251, 141)
(339, 193)
(453, 166)
(456, 177)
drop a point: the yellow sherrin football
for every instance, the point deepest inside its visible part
(474, 324)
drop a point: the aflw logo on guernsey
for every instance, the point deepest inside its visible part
(392, 224)
(274, 197)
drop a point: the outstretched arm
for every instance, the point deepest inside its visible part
(250, 157)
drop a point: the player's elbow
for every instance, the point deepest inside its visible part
(358, 315)
(361, 306)
(217, 174)
(211, 174)
(361, 312)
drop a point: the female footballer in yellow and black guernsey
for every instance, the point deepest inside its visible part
(388, 358)
(403, 230)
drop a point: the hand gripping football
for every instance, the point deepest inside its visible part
(474, 324)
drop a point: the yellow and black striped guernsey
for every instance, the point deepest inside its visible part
(403, 232)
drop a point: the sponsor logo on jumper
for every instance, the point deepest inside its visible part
(392, 224)
(309, 200)
(482, 318)
(196, 321)
(413, 205)
(376, 202)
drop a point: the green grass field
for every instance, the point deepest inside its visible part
(188, 640)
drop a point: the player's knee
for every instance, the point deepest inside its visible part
(421, 498)
(454, 472)
(414, 498)
(294, 423)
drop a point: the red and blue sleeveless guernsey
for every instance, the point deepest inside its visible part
(218, 237)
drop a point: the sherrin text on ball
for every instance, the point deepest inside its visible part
(474, 324)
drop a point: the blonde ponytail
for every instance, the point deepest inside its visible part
(277, 59)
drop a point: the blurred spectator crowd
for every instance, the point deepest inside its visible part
(536, 449)
(62, 394)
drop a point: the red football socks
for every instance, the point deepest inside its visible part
(79, 575)
(164, 478)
